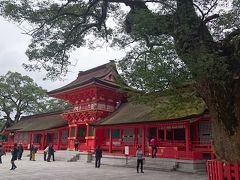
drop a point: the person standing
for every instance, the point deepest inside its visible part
(153, 144)
(2, 152)
(20, 151)
(98, 156)
(31, 149)
(50, 153)
(45, 152)
(139, 156)
(76, 144)
(34, 151)
(14, 156)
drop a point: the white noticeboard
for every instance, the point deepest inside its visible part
(126, 150)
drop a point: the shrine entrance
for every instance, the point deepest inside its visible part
(82, 133)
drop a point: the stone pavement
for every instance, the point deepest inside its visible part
(62, 170)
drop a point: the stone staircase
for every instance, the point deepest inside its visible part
(69, 156)
(149, 163)
(161, 164)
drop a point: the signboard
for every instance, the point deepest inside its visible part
(126, 150)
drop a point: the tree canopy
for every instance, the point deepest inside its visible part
(19, 95)
(168, 41)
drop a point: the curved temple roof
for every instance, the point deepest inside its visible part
(130, 113)
(40, 122)
(96, 74)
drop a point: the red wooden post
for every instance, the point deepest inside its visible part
(110, 140)
(172, 131)
(236, 170)
(59, 139)
(121, 136)
(187, 136)
(42, 140)
(32, 136)
(95, 137)
(228, 171)
(157, 134)
(135, 136)
(220, 170)
(29, 138)
(76, 131)
(215, 170)
(196, 131)
(165, 134)
(87, 133)
(70, 136)
(143, 139)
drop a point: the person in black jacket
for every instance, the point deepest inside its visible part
(31, 148)
(14, 156)
(50, 153)
(20, 151)
(98, 156)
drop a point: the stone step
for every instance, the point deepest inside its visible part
(162, 164)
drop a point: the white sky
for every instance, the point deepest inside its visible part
(13, 45)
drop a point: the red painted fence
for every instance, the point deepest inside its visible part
(218, 170)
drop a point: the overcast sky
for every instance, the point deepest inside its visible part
(13, 45)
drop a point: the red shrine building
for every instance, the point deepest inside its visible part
(101, 115)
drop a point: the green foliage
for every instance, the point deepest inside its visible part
(58, 29)
(20, 95)
(1, 125)
(52, 105)
(155, 69)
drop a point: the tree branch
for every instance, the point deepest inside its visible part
(209, 18)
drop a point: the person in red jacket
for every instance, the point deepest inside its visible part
(153, 144)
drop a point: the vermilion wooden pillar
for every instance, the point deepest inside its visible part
(29, 138)
(187, 136)
(110, 141)
(95, 137)
(42, 140)
(135, 136)
(157, 134)
(165, 134)
(87, 133)
(173, 139)
(76, 131)
(59, 139)
(143, 139)
(121, 136)
(69, 135)
(32, 137)
(196, 131)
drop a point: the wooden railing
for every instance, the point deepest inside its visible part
(218, 170)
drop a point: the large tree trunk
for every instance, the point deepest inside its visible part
(213, 66)
(224, 108)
